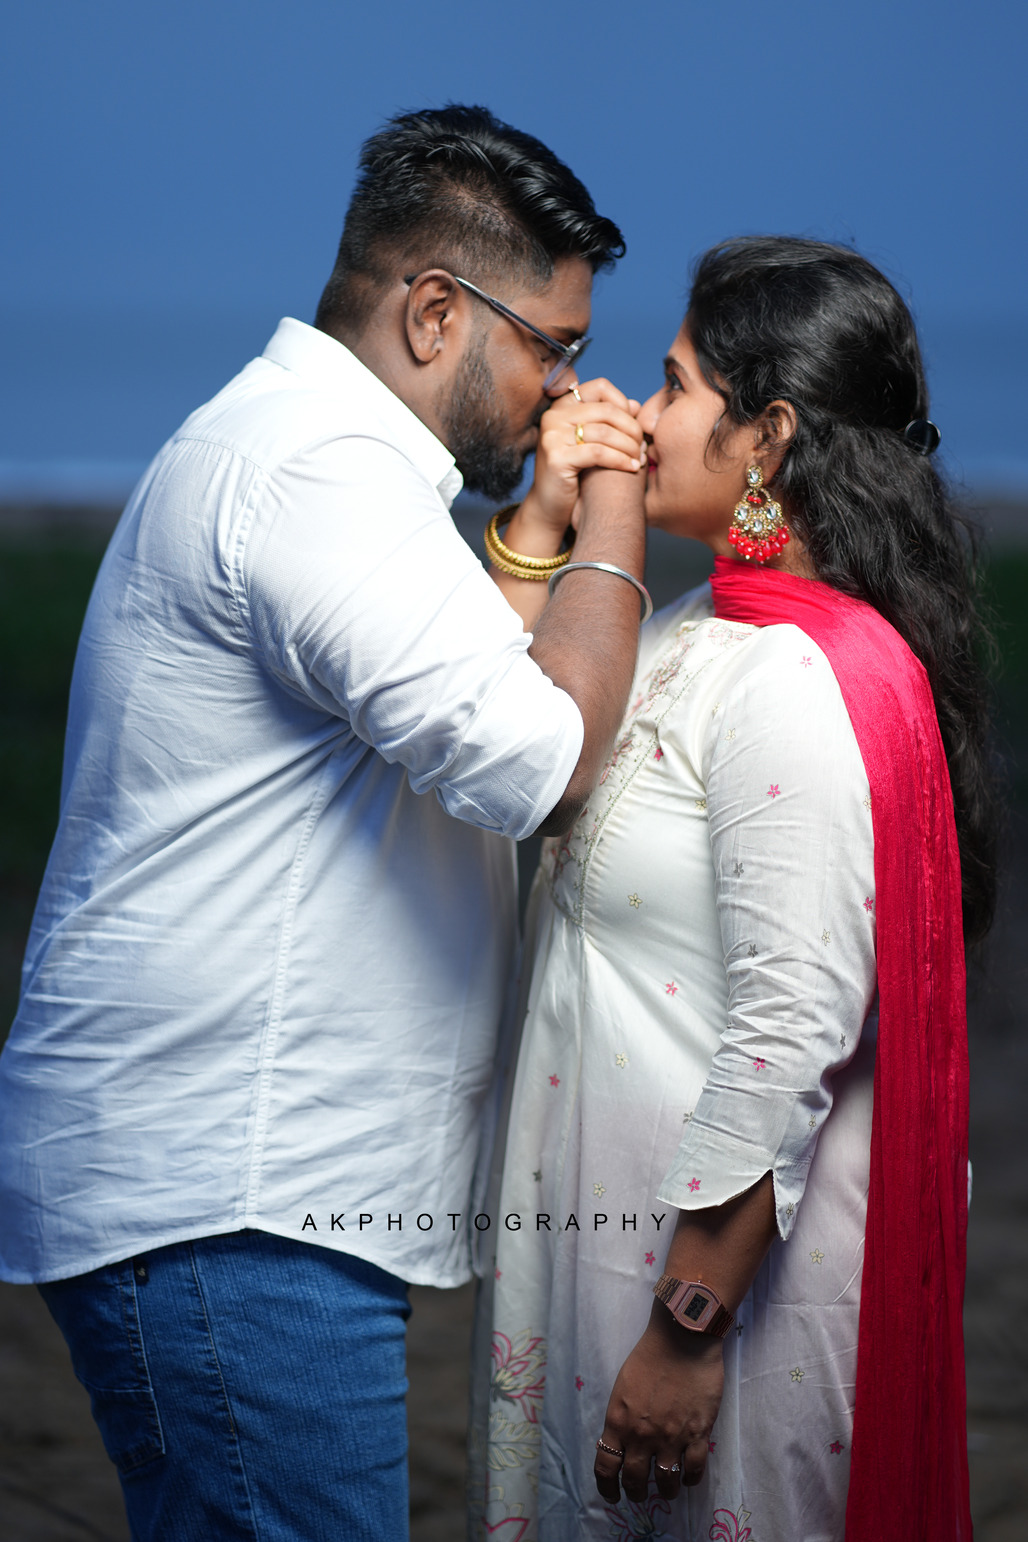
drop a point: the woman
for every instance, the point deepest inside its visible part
(744, 1042)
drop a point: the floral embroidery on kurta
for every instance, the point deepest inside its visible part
(519, 1372)
(730, 1526)
(631, 1521)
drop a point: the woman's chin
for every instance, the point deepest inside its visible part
(663, 519)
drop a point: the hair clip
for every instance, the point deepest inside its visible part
(922, 436)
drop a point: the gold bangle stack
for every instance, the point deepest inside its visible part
(512, 562)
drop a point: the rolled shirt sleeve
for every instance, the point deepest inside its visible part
(793, 853)
(361, 596)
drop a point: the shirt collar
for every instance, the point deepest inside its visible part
(330, 365)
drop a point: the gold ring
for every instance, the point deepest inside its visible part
(574, 392)
(579, 433)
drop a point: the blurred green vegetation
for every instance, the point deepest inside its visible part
(1006, 596)
(44, 587)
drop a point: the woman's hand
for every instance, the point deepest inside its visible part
(662, 1410)
(668, 1391)
(612, 440)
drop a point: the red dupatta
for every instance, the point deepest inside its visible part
(908, 1474)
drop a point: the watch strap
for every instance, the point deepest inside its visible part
(674, 1293)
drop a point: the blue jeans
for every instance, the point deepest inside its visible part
(246, 1386)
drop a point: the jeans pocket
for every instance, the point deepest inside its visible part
(129, 1424)
(99, 1316)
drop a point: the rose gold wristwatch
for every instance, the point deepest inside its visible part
(694, 1305)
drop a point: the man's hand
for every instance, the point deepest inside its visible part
(612, 440)
(661, 1411)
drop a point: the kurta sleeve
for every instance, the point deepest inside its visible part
(792, 845)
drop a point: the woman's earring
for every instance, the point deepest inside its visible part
(759, 531)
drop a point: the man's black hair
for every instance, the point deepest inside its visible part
(455, 188)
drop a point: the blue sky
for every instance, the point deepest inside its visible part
(174, 178)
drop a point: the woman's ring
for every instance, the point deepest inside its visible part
(610, 1450)
(661, 1468)
(579, 433)
(574, 392)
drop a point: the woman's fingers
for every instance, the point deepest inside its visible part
(570, 445)
(607, 1466)
(667, 1472)
(565, 414)
(635, 1474)
(604, 433)
(671, 1469)
(694, 1461)
(598, 390)
(588, 456)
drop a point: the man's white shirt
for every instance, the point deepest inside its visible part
(267, 967)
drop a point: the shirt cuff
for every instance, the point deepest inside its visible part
(517, 758)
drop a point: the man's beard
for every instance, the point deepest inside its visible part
(474, 428)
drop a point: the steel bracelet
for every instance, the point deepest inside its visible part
(607, 567)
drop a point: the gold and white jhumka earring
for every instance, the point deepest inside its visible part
(759, 531)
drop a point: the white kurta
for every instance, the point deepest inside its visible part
(704, 966)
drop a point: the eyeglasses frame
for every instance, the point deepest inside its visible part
(568, 352)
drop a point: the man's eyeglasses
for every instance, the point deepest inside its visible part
(567, 353)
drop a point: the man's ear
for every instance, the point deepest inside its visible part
(775, 430)
(434, 316)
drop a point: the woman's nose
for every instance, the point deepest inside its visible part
(649, 412)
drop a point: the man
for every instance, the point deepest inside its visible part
(262, 990)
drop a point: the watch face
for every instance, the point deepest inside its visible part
(695, 1306)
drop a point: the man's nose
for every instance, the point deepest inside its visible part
(567, 381)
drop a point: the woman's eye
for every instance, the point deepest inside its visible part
(672, 383)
